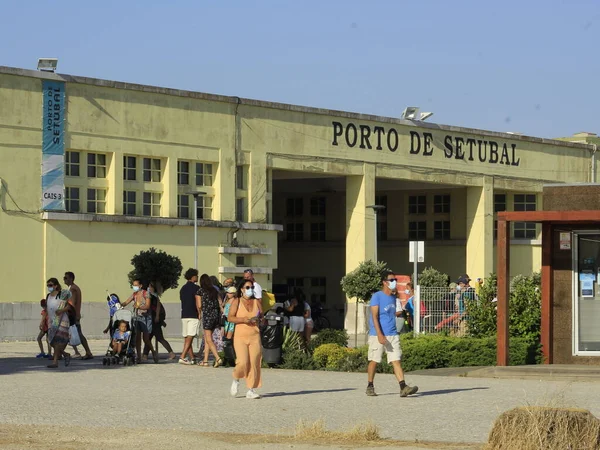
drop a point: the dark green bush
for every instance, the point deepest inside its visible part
(329, 336)
(354, 361)
(297, 359)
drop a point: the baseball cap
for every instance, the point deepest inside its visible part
(231, 290)
(463, 279)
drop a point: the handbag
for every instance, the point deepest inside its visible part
(74, 338)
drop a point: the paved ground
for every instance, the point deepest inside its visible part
(177, 398)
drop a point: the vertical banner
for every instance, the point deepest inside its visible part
(53, 146)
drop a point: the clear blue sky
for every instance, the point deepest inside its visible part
(523, 66)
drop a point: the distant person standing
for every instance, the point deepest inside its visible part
(383, 335)
(249, 276)
(190, 315)
(77, 298)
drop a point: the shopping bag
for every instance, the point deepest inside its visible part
(74, 336)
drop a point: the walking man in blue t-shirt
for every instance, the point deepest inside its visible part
(383, 335)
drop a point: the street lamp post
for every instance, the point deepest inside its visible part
(196, 194)
(376, 208)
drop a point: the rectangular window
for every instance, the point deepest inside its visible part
(318, 282)
(499, 206)
(152, 172)
(204, 174)
(524, 230)
(240, 261)
(295, 283)
(183, 206)
(294, 207)
(72, 164)
(381, 200)
(417, 231)
(382, 229)
(129, 203)
(417, 204)
(129, 168)
(294, 232)
(183, 173)
(96, 201)
(441, 204)
(441, 230)
(96, 165)
(318, 231)
(205, 208)
(151, 204)
(240, 176)
(240, 210)
(318, 206)
(72, 199)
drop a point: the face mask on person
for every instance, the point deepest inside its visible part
(50, 289)
(458, 288)
(136, 288)
(407, 292)
(249, 292)
(392, 285)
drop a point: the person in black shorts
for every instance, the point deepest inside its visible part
(211, 317)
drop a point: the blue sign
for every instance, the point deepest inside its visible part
(53, 146)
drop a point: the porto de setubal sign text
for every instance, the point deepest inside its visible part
(455, 147)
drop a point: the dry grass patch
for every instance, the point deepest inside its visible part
(534, 427)
(316, 431)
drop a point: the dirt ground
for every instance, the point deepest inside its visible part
(25, 437)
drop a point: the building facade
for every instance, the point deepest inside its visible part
(285, 189)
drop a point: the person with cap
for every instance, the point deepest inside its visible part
(465, 295)
(249, 275)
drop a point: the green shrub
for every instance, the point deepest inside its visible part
(297, 359)
(291, 340)
(328, 356)
(524, 309)
(355, 360)
(330, 336)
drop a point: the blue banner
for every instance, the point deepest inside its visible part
(53, 146)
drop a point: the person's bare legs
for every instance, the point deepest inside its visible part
(138, 345)
(39, 341)
(187, 347)
(76, 350)
(371, 369)
(59, 350)
(398, 370)
(307, 334)
(148, 344)
(209, 346)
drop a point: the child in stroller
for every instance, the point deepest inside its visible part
(120, 338)
(121, 333)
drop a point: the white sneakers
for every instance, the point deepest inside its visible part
(252, 394)
(234, 388)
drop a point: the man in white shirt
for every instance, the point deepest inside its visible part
(249, 275)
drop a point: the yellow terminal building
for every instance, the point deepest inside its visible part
(94, 171)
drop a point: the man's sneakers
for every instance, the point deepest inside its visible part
(252, 394)
(408, 390)
(41, 355)
(235, 386)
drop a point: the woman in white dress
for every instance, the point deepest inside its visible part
(295, 309)
(59, 307)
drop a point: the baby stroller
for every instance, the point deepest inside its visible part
(127, 354)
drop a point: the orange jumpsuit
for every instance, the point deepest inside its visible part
(248, 349)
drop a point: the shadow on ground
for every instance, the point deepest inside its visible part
(320, 391)
(14, 365)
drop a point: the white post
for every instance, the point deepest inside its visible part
(417, 309)
(375, 249)
(196, 231)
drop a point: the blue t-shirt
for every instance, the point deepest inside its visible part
(387, 314)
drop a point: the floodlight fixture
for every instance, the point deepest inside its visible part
(410, 113)
(47, 64)
(425, 115)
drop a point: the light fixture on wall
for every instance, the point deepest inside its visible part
(412, 113)
(47, 64)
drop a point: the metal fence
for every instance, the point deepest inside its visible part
(440, 310)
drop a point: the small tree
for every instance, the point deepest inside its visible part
(432, 278)
(156, 267)
(362, 283)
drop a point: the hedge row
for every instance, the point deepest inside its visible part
(422, 352)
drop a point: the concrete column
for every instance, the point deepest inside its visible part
(224, 185)
(257, 188)
(170, 188)
(115, 181)
(360, 236)
(480, 229)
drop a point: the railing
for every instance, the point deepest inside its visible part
(441, 310)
